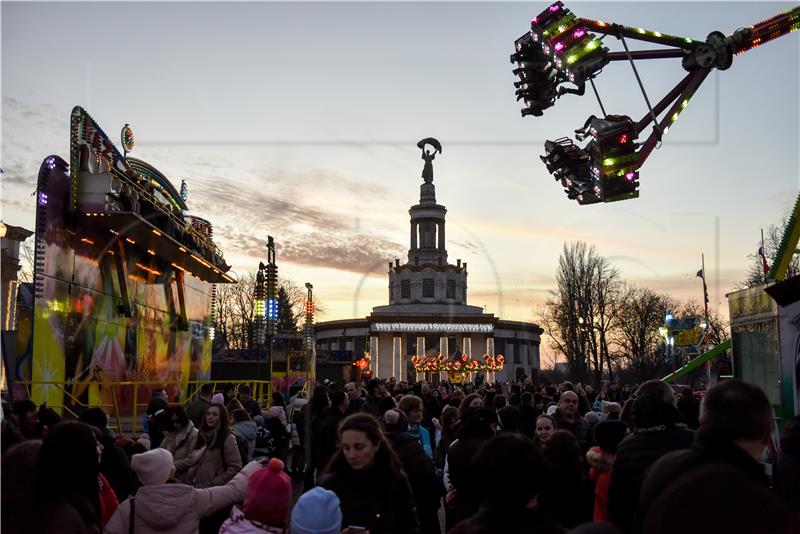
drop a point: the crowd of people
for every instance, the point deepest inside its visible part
(396, 457)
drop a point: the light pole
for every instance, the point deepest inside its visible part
(308, 338)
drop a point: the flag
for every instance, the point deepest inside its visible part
(702, 276)
(764, 263)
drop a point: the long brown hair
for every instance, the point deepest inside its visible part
(385, 457)
(219, 434)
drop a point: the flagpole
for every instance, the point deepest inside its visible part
(707, 333)
(763, 255)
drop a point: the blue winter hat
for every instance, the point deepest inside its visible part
(317, 512)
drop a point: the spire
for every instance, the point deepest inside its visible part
(428, 217)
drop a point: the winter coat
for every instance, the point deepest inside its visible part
(471, 436)
(635, 454)
(442, 446)
(197, 409)
(787, 468)
(177, 508)
(116, 467)
(245, 434)
(376, 498)
(68, 518)
(370, 405)
(712, 487)
(215, 467)
(491, 520)
(689, 407)
(108, 499)
(580, 429)
(423, 436)
(426, 487)
(325, 447)
(182, 443)
(239, 524)
(600, 463)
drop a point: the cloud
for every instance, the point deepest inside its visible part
(360, 253)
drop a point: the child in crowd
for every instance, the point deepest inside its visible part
(608, 435)
(266, 505)
(317, 512)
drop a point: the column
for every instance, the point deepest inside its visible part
(440, 233)
(420, 352)
(467, 342)
(413, 235)
(373, 350)
(490, 352)
(397, 357)
(443, 350)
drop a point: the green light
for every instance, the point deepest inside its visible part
(561, 28)
(684, 104)
(640, 30)
(592, 45)
(571, 59)
(608, 162)
(687, 39)
(657, 34)
(675, 117)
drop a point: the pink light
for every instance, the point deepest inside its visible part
(579, 33)
(534, 20)
(559, 46)
(630, 175)
(553, 8)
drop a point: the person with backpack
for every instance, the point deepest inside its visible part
(245, 430)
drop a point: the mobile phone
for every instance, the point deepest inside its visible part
(354, 529)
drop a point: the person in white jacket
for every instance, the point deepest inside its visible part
(160, 507)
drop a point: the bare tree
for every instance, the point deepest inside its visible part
(581, 311)
(641, 349)
(26, 256)
(772, 242)
(235, 307)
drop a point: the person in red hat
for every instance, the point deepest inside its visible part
(266, 505)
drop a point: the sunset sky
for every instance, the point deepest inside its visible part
(300, 120)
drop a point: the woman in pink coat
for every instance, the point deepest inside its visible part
(161, 506)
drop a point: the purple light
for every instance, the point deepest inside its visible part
(534, 20)
(630, 176)
(51, 163)
(553, 8)
(42, 198)
(559, 46)
(580, 32)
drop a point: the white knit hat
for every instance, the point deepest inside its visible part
(218, 398)
(153, 467)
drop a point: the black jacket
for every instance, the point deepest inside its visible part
(490, 520)
(471, 436)
(378, 499)
(325, 445)
(689, 407)
(712, 487)
(636, 453)
(425, 485)
(116, 467)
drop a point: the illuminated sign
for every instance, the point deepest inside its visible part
(433, 327)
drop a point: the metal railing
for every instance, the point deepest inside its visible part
(261, 392)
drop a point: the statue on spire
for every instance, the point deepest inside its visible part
(428, 156)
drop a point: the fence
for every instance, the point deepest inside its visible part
(261, 391)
